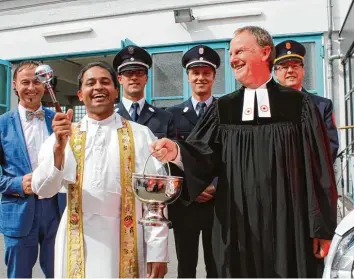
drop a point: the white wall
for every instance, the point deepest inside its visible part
(340, 10)
(21, 30)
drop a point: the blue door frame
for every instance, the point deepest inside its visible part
(7, 92)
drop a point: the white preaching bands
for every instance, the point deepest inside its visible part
(263, 103)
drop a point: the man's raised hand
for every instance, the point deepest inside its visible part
(62, 128)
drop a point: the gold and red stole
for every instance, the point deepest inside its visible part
(128, 265)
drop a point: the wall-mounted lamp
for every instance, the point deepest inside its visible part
(183, 15)
(67, 32)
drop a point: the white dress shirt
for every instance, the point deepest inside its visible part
(128, 105)
(35, 132)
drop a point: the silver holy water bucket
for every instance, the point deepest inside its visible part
(156, 191)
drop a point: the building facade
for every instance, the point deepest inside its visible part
(68, 34)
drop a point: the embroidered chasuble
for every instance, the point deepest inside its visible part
(128, 236)
(105, 240)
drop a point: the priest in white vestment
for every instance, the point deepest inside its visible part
(101, 187)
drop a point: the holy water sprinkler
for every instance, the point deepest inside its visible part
(44, 74)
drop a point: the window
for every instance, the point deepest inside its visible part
(167, 79)
(310, 77)
(64, 108)
(5, 86)
(79, 113)
(219, 86)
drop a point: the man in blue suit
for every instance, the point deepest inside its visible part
(201, 63)
(132, 64)
(289, 71)
(28, 222)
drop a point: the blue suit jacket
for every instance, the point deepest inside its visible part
(325, 107)
(16, 209)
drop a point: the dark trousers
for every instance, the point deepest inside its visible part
(62, 203)
(22, 252)
(186, 244)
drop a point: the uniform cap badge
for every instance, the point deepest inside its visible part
(201, 50)
(130, 50)
(288, 45)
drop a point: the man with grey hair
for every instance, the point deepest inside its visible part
(275, 202)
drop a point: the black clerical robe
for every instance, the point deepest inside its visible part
(276, 188)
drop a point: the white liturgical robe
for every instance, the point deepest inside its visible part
(101, 198)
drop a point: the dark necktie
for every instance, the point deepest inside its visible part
(135, 115)
(38, 114)
(200, 109)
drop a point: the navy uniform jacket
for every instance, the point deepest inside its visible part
(159, 121)
(325, 107)
(196, 214)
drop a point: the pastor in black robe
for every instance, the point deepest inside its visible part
(276, 188)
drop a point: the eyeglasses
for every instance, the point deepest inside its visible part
(285, 68)
(137, 73)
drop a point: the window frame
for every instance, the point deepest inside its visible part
(149, 87)
(348, 75)
(7, 92)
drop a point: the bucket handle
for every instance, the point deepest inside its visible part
(167, 163)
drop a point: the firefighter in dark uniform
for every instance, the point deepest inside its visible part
(201, 63)
(132, 64)
(289, 71)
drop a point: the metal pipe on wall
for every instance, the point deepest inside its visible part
(331, 57)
